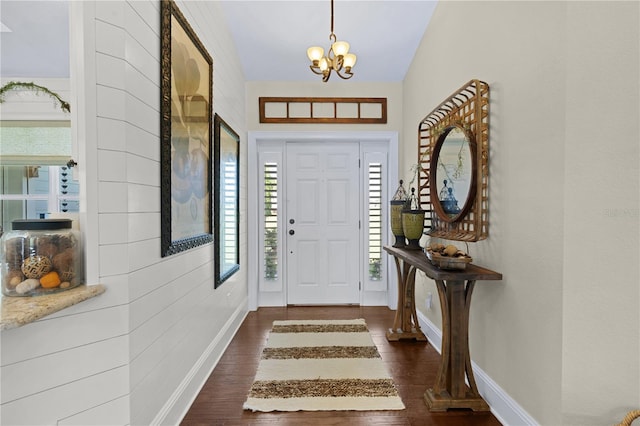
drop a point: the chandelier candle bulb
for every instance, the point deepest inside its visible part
(349, 61)
(315, 53)
(340, 48)
(324, 64)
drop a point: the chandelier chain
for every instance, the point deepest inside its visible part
(332, 34)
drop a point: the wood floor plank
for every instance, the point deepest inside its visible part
(413, 366)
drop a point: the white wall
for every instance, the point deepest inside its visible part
(138, 353)
(601, 325)
(560, 333)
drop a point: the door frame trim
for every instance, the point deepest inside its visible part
(257, 137)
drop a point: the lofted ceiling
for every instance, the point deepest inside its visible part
(271, 37)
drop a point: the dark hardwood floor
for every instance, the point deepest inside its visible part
(413, 365)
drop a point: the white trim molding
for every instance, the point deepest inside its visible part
(182, 398)
(503, 407)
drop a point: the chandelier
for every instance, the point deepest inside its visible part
(338, 58)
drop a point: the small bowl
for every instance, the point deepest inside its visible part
(448, 262)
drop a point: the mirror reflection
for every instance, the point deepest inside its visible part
(453, 169)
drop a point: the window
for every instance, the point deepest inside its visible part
(34, 180)
(34, 192)
(229, 188)
(374, 204)
(270, 221)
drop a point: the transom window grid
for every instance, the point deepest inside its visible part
(323, 110)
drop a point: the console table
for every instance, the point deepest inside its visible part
(454, 291)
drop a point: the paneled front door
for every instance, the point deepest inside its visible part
(322, 223)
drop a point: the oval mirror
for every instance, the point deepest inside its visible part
(453, 172)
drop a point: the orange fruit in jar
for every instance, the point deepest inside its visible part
(50, 280)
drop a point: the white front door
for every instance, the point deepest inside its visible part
(322, 223)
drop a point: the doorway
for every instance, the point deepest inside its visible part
(323, 217)
(317, 213)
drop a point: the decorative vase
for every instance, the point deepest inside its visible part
(413, 226)
(413, 221)
(396, 222)
(398, 204)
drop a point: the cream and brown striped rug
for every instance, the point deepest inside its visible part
(312, 365)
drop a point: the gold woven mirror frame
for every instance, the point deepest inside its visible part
(468, 108)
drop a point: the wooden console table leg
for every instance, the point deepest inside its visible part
(405, 325)
(450, 389)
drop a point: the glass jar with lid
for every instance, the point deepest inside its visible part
(40, 256)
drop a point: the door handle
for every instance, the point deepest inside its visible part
(291, 232)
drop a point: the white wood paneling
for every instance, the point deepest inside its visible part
(67, 399)
(111, 103)
(167, 294)
(114, 259)
(54, 335)
(141, 114)
(142, 143)
(111, 134)
(143, 254)
(113, 228)
(143, 198)
(110, 39)
(113, 197)
(142, 170)
(165, 331)
(62, 367)
(143, 226)
(110, 71)
(115, 412)
(111, 12)
(141, 350)
(114, 169)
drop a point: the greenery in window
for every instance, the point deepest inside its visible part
(19, 85)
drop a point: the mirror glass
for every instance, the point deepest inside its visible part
(227, 196)
(453, 173)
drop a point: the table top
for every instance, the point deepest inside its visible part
(419, 259)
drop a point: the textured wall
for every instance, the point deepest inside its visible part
(560, 101)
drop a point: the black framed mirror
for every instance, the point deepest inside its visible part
(453, 173)
(227, 200)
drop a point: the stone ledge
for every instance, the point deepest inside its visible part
(18, 311)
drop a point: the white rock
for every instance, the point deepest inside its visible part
(27, 285)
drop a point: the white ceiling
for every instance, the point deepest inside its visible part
(38, 44)
(271, 36)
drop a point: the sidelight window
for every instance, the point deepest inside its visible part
(374, 205)
(270, 221)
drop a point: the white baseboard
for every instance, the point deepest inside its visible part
(180, 401)
(503, 407)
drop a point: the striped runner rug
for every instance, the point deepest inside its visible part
(313, 365)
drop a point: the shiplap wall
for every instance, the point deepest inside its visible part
(138, 353)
